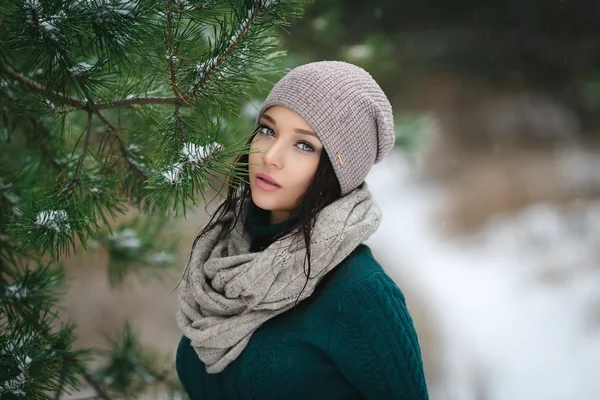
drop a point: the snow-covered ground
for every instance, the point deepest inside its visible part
(517, 303)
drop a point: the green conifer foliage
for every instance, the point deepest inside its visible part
(105, 106)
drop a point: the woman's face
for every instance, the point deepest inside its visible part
(283, 158)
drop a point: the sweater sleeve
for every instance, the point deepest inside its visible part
(181, 360)
(374, 344)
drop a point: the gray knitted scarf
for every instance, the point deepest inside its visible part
(230, 292)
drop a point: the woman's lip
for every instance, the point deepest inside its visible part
(264, 185)
(267, 178)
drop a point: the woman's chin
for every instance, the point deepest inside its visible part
(266, 201)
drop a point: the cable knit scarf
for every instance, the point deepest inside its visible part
(230, 292)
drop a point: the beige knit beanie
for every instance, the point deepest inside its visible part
(348, 111)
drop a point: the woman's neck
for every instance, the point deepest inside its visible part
(263, 229)
(277, 217)
(265, 223)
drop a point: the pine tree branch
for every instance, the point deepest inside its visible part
(178, 123)
(170, 48)
(48, 154)
(142, 100)
(234, 43)
(137, 101)
(42, 142)
(31, 138)
(36, 87)
(86, 145)
(61, 384)
(79, 104)
(7, 241)
(45, 136)
(96, 386)
(122, 148)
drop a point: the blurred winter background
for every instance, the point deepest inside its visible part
(491, 199)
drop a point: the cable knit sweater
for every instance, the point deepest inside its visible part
(353, 338)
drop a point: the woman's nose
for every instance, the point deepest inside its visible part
(273, 154)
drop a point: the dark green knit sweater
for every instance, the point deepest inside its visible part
(353, 338)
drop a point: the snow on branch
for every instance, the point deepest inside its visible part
(209, 66)
(203, 68)
(267, 3)
(48, 24)
(81, 69)
(196, 154)
(193, 155)
(127, 239)
(55, 220)
(17, 292)
(173, 175)
(12, 346)
(110, 11)
(17, 385)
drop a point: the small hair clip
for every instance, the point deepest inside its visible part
(340, 158)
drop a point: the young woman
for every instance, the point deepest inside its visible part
(281, 299)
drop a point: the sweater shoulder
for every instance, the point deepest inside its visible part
(357, 266)
(374, 343)
(360, 264)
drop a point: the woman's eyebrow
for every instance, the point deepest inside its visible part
(305, 132)
(268, 118)
(297, 130)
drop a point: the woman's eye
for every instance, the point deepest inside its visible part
(265, 130)
(305, 146)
